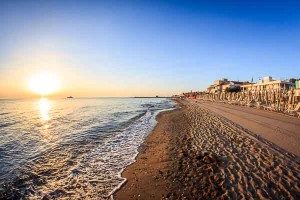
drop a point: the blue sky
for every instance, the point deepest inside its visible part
(131, 48)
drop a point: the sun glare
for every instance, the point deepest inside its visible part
(44, 84)
(44, 107)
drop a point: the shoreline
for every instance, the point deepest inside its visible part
(140, 148)
(143, 152)
(196, 153)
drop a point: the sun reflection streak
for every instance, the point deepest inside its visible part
(44, 107)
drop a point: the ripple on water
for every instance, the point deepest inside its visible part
(86, 163)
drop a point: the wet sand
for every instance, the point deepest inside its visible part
(195, 153)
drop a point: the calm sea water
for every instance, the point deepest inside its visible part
(71, 148)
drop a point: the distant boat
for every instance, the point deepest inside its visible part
(69, 97)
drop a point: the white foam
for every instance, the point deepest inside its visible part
(133, 158)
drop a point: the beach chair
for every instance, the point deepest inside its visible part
(269, 107)
(237, 102)
(294, 111)
(264, 106)
(258, 105)
(244, 103)
(233, 102)
(251, 104)
(273, 107)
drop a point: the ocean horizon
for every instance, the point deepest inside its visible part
(75, 97)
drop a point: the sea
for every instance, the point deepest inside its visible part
(71, 148)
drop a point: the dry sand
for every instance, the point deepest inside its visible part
(279, 129)
(194, 153)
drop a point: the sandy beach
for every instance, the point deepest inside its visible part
(211, 151)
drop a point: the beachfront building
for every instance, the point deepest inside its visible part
(217, 86)
(223, 85)
(274, 95)
(267, 83)
(297, 85)
(232, 85)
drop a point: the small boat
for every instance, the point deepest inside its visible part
(69, 97)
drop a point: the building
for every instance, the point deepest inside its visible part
(222, 85)
(217, 86)
(267, 83)
(232, 85)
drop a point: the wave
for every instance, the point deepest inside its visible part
(92, 157)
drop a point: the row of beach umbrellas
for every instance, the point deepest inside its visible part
(263, 96)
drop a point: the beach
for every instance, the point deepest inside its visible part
(212, 151)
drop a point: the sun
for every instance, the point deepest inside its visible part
(44, 83)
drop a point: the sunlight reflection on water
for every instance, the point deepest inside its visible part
(44, 107)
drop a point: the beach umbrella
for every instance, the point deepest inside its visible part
(248, 94)
(278, 94)
(273, 96)
(259, 96)
(252, 95)
(291, 96)
(266, 96)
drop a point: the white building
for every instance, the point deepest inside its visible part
(267, 83)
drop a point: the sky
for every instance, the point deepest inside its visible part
(145, 48)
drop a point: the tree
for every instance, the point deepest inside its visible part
(235, 89)
(292, 80)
